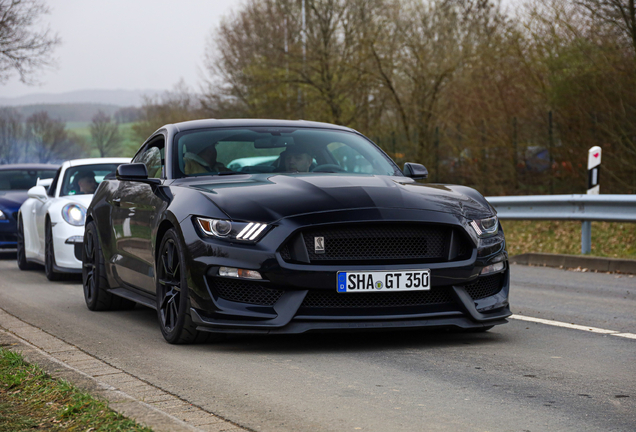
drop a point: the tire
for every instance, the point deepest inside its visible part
(23, 264)
(173, 301)
(94, 280)
(49, 255)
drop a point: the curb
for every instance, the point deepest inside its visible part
(126, 394)
(608, 265)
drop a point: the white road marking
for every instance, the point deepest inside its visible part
(626, 335)
(574, 326)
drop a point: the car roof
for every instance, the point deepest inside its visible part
(95, 161)
(209, 123)
(33, 166)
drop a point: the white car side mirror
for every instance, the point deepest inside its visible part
(38, 192)
(44, 182)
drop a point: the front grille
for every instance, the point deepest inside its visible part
(242, 291)
(332, 299)
(368, 243)
(485, 286)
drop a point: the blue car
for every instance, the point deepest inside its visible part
(15, 181)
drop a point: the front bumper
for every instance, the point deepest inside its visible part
(298, 297)
(68, 247)
(8, 232)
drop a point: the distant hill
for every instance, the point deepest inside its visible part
(107, 97)
(79, 112)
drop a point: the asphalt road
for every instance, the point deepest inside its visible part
(521, 376)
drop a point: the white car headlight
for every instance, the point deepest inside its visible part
(486, 227)
(74, 214)
(2, 216)
(242, 231)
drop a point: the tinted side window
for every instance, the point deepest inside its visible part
(153, 156)
(349, 158)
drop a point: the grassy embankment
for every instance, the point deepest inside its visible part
(614, 240)
(32, 400)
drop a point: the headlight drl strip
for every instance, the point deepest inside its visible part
(251, 231)
(258, 232)
(245, 230)
(476, 227)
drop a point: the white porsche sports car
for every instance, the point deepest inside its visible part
(51, 223)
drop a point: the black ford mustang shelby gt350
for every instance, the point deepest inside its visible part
(266, 226)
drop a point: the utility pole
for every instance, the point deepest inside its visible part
(550, 147)
(304, 41)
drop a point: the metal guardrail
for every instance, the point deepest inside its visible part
(585, 208)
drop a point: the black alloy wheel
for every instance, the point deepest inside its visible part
(173, 302)
(94, 280)
(23, 264)
(49, 255)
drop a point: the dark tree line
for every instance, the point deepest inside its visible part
(509, 103)
(506, 102)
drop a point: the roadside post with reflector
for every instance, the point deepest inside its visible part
(593, 174)
(593, 170)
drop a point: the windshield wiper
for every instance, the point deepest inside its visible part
(224, 173)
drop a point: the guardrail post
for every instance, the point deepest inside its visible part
(586, 237)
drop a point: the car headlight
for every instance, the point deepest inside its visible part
(242, 231)
(485, 227)
(74, 214)
(2, 216)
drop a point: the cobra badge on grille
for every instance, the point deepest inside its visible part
(319, 245)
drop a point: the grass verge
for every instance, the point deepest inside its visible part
(32, 400)
(614, 240)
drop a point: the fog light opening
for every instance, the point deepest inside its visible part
(493, 268)
(239, 273)
(75, 240)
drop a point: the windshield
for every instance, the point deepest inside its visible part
(83, 180)
(22, 179)
(278, 150)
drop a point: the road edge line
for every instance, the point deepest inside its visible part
(588, 329)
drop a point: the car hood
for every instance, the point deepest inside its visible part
(268, 198)
(84, 200)
(12, 200)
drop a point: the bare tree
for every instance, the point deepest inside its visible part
(618, 15)
(105, 134)
(275, 60)
(48, 139)
(176, 105)
(173, 106)
(23, 49)
(11, 136)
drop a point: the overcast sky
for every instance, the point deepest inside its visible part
(126, 44)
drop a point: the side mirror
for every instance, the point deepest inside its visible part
(38, 192)
(135, 172)
(132, 172)
(415, 170)
(44, 182)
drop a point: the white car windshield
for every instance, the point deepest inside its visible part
(279, 150)
(84, 179)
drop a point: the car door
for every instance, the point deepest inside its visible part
(137, 206)
(37, 219)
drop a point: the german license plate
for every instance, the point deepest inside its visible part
(387, 281)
